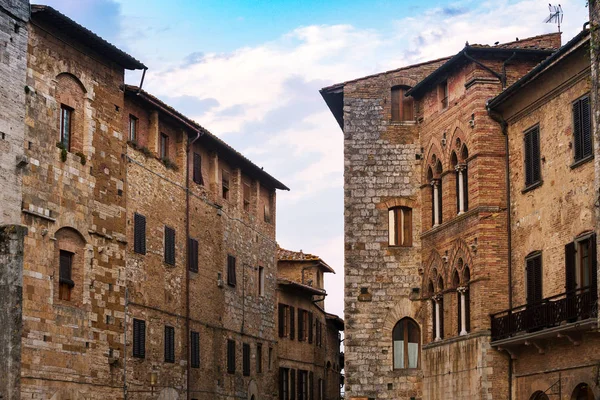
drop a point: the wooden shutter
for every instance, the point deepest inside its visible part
(466, 188)
(193, 255)
(311, 386)
(310, 327)
(440, 196)
(139, 233)
(281, 320)
(66, 268)
(259, 357)
(169, 344)
(535, 151)
(396, 101)
(246, 359)
(301, 384)
(577, 131)
(230, 356)
(442, 317)
(586, 127)
(169, 245)
(195, 349)
(534, 279)
(593, 263)
(292, 384)
(197, 169)
(459, 319)
(281, 382)
(301, 324)
(570, 281)
(139, 338)
(292, 322)
(231, 278)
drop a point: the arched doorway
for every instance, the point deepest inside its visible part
(539, 395)
(252, 391)
(582, 392)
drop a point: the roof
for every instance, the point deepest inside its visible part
(337, 321)
(228, 152)
(572, 44)
(301, 286)
(289, 255)
(72, 29)
(532, 47)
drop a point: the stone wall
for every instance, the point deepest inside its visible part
(14, 15)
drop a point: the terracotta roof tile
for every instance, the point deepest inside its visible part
(289, 255)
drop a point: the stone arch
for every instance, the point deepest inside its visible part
(399, 202)
(168, 394)
(69, 261)
(252, 390)
(70, 76)
(402, 81)
(457, 130)
(66, 394)
(400, 310)
(460, 250)
(71, 96)
(433, 149)
(582, 391)
(435, 268)
(539, 395)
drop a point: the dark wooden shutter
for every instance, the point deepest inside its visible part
(169, 344)
(231, 278)
(468, 310)
(292, 384)
(139, 233)
(586, 127)
(570, 282)
(169, 245)
(442, 317)
(66, 268)
(246, 359)
(577, 131)
(440, 196)
(527, 163)
(396, 101)
(459, 319)
(281, 320)
(292, 323)
(281, 382)
(466, 187)
(593, 263)
(230, 356)
(193, 255)
(197, 169)
(300, 325)
(195, 349)
(534, 279)
(310, 327)
(535, 153)
(311, 385)
(139, 338)
(301, 383)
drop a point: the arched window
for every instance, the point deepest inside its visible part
(400, 226)
(467, 298)
(582, 392)
(406, 338)
(436, 193)
(402, 106)
(70, 95)
(539, 395)
(69, 256)
(462, 180)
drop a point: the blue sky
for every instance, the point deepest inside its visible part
(250, 71)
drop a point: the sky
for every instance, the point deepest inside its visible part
(250, 72)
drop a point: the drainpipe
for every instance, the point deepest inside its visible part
(504, 125)
(187, 255)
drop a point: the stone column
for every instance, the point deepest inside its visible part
(436, 206)
(463, 312)
(461, 188)
(436, 300)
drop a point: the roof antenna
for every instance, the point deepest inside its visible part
(556, 15)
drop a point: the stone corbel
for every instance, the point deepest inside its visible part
(536, 345)
(513, 355)
(570, 337)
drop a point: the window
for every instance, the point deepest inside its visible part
(139, 338)
(321, 390)
(292, 384)
(436, 204)
(437, 306)
(302, 385)
(270, 358)
(225, 184)
(292, 328)
(534, 277)
(246, 359)
(462, 189)
(195, 349)
(197, 169)
(443, 94)
(139, 233)
(231, 278)
(402, 106)
(581, 264)
(318, 329)
(246, 197)
(133, 122)
(164, 146)
(66, 283)
(193, 255)
(302, 324)
(230, 356)
(169, 344)
(400, 226)
(66, 116)
(284, 393)
(261, 281)
(532, 156)
(582, 129)
(267, 212)
(259, 357)
(309, 327)
(284, 328)
(169, 245)
(407, 338)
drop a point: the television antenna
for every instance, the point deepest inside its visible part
(556, 15)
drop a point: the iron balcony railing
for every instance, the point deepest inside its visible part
(550, 312)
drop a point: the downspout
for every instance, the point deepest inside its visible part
(504, 125)
(187, 255)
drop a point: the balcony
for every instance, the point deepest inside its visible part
(570, 309)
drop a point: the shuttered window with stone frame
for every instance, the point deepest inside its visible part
(310, 327)
(169, 344)
(284, 393)
(197, 169)
(246, 359)
(582, 129)
(531, 147)
(231, 273)
(66, 284)
(195, 349)
(402, 106)
(534, 278)
(301, 325)
(193, 255)
(581, 264)
(169, 245)
(292, 328)
(400, 226)
(139, 338)
(231, 356)
(139, 233)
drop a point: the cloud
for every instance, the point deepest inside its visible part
(190, 105)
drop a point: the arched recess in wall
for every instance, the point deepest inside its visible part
(583, 391)
(69, 263)
(65, 394)
(70, 95)
(252, 390)
(539, 395)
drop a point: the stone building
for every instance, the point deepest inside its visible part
(549, 324)
(426, 224)
(309, 338)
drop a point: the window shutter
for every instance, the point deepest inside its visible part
(66, 268)
(442, 317)
(407, 212)
(527, 142)
(311, 386)
(534, 280)
(231, 356)
(594, 262)
(310, 327)
(586, 127)
(577, 131)
(139, 338)
(169, 245)
(231, 278)
(281, 320)
(281, 382)
(459, 312)
(440, 207)
(466, 187)
(300, 325)
(193, 255)
(195, 349)
(535, 151)
(396, 100)
(570, 282)
(292, 322)
(246, 359)
(468, 310)
(301, 384)
(292, 384)
(139, 233)
(169, 344)
(197, 169)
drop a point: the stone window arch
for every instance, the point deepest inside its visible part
(406, 338)
(460, 165)
(69, 260)
(434, 176)
(539, 395)
(582, 392)
(70, 95)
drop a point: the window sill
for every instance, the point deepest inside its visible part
(398, 246)
(532, 186)
(403, 123)
(584, 160)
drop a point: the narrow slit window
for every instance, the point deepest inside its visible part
(197, 169)
(66, 117)
(225, 184)
(246, 197)
(164, 146)
(66, 283)
(133, 123)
